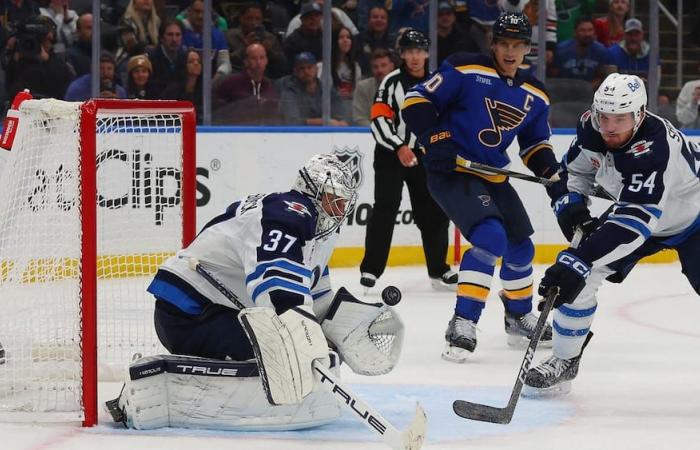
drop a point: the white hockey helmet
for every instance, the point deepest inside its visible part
(326, 174)
(619, 94)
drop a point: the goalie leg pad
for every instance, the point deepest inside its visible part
(190, 392)
(368, 336)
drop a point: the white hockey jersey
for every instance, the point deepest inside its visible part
(654, 179)
(262, 249)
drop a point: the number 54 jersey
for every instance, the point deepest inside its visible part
(262, 249)
(654, 179)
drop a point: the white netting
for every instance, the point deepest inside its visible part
(139, 224)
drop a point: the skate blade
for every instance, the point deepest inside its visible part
(557, 390)
(520, 342)
(455, 354)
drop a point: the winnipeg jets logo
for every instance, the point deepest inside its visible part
(504, 117)
(595, 163)
(351, 157)
(640, 148)
(298, 208)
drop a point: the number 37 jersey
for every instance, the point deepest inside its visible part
(262, 249)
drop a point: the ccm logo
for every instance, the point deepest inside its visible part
(201, 370)
(575, 264)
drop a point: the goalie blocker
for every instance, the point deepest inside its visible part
(194, 392)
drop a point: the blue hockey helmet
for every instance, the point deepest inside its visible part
(512, 25)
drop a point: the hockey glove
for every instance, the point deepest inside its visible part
(572, 213)
(568, 274)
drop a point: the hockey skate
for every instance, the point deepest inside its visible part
(520, 328)
(367, 280)
(460, 338)
(445, 282)
(551, 377)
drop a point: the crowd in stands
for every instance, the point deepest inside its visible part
(267, 56)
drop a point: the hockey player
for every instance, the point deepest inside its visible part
(471, 109)
(652, 170)
(269, 253)
(397, 160)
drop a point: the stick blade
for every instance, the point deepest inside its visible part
(482, 413)
(414, 436)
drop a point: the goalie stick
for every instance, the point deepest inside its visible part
(466, 164)
(486, 413)
(410, 439)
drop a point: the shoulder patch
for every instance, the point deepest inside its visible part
(298, 208)
(640, 148)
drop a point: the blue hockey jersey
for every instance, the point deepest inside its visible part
(468, 109)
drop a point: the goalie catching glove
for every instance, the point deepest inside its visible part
(285, 347)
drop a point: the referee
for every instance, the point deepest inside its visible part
(397, 160)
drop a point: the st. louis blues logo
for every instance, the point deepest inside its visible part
(351, 157)
(640, 148)
(504, 117)
(298, 208)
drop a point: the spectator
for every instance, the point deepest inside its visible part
(306, 38)
(531, 10)
(66, 23)
(251, 30)
(217, 20)
(169, 58)
(411, 14)
(129, 46)
(300, 94)
(375, 35)
(484, 12)
(188, 86)
(688, 103)
(364, 8)
(567, 13)
(631, 55)
(192, 38)
(451, 37)
(33, 64)
(139, 72)
(17, 11)
(610, 29)
(345, 70)
(581, 57)
(381, 63)
(249, 97)
(141, 16)
(81, 89)
(339, 18)
(79, 55)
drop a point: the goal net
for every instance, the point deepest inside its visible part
(93, 197)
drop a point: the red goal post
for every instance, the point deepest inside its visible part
(94, 197)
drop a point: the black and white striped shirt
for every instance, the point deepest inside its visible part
(387, 126)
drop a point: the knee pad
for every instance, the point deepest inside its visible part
(518, 257)
(488, 236)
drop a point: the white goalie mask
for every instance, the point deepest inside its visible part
(330, 185)
(620, 94)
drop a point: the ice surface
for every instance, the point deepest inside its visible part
(638, 387)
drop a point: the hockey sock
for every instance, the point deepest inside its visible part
(488, 239)
(516, 277)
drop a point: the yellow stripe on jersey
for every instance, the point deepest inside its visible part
(535, 91)
(518, 294)
(477, 68)
(497, 178)
(412, 101)
(526, 157)
(472, 291)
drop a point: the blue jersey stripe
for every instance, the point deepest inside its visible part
(280, 263)
(569, 332)
(320, 294)
(174, 295)
(640, 228)
(279, 283)
(570, 312)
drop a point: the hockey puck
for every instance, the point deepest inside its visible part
(391, 295)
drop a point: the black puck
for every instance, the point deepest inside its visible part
(391, 295)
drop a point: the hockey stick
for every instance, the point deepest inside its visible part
(411, 439)
(485, 413)
(466, 164)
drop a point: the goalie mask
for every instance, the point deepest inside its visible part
(620, 94)
(329, 184)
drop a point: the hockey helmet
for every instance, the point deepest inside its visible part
(619, 94)
(512, 25)
(326, 174)
(413, 39)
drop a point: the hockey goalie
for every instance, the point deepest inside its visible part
(247, 310)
